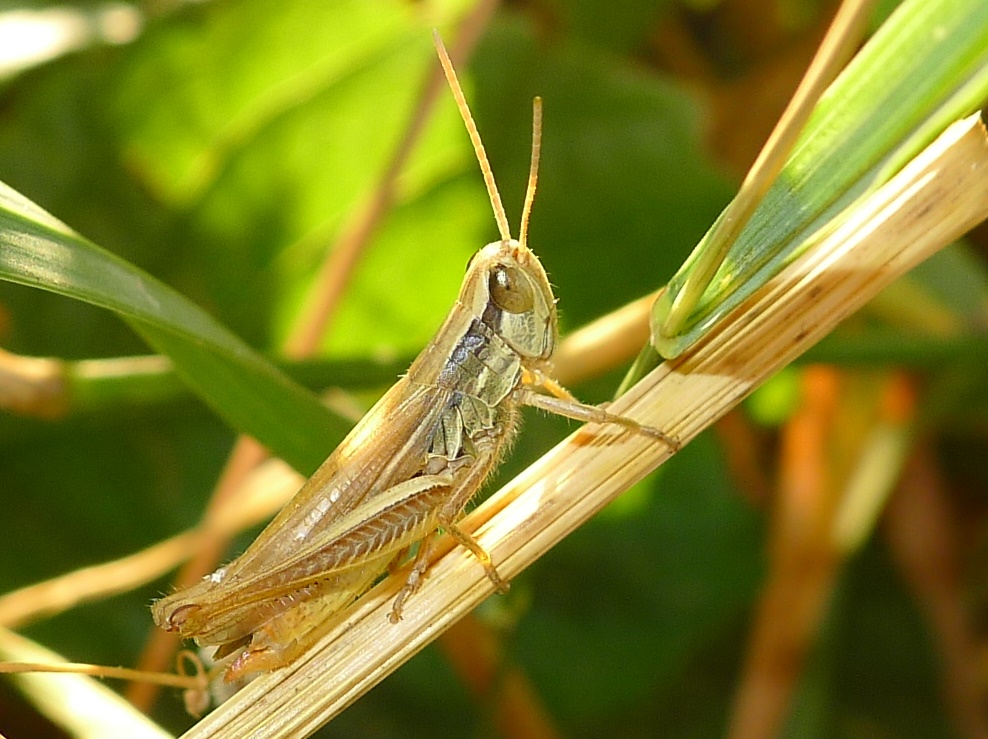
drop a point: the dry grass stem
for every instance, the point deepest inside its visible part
(83, 707)
(342, 259)
(934, 200)
(50, 597)
(609, 342)
(32, 386)
(264, 492)
(923, 529)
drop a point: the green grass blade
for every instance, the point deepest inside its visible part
(925, 67)
(251, 394)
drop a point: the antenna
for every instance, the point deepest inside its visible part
(533, 170)
(478, 146)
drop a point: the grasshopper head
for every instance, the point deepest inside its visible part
(511, 292)
(505, 284)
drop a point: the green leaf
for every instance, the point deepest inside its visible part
(255, 397)
(926, 67)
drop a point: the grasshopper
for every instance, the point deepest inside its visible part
(407, 469)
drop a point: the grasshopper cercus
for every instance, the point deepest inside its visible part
(406, 470)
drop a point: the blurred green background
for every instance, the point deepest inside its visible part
(221, 146)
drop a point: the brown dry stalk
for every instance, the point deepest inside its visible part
(936, 199)
(82, 706)
(610, 341)
(803, 562)
(32, 386)
(341, 261)
(923, 533)
(474, 651)
(265, 490)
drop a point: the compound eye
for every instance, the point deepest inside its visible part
(510, 290)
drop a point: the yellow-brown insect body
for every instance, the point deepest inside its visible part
(408, 468)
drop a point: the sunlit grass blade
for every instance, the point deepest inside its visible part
(924, 68)
(250, 393)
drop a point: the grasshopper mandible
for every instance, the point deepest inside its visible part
(405, 471)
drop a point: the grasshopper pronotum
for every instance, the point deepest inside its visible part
(407, 469)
